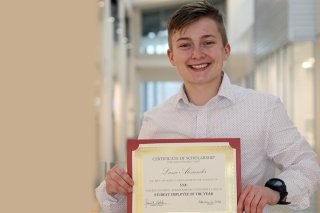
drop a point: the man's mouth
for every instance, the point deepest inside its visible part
(199, 67)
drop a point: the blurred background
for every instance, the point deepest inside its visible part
(76, 77)
(275, 47)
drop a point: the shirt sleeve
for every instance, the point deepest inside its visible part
(110, 204)
(294, 157)
(146, 129)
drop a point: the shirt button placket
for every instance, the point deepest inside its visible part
(201, 131)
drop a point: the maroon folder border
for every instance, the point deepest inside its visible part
(133, 144)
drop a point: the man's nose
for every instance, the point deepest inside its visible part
(197, 52)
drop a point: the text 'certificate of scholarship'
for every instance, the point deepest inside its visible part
(184, 175)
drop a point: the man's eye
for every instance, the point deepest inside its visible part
(208, 43)
(184, 45)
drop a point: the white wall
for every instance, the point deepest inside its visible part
(240, 18)
(240, 22)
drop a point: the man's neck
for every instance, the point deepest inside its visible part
(200, 94)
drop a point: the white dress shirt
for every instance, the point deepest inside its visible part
(269, 140)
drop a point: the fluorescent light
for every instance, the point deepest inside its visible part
(308, 63)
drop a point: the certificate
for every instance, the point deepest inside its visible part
(184, 175)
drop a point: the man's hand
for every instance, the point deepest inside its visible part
(118, 181)
(254, 198)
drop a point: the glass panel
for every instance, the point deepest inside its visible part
(303, 89)
(288, 74)
(154, 93)
(154, 40)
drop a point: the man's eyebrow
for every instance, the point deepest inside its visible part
(183, 38)
(208, 36)
(204, 36)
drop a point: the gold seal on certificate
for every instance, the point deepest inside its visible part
(184, 175)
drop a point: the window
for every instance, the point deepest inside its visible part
(154, 93)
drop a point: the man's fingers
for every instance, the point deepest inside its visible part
(261, 205)
(255, 202)
(124, 175)
(115, 188)
(241, 199)
(254, 198)
(248, 201)
(118, 181)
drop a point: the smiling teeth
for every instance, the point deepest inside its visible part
(199, 66)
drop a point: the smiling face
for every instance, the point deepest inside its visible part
(198, 53)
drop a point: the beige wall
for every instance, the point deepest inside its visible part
(317, 92)
(317, 104)
(49, 55)
(317, 87)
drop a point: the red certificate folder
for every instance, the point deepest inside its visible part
(133, 145)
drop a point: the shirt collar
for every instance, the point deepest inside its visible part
(225, 91)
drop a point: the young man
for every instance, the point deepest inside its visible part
(209, 106)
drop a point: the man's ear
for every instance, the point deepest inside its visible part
(170, 56)
(227, 50)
